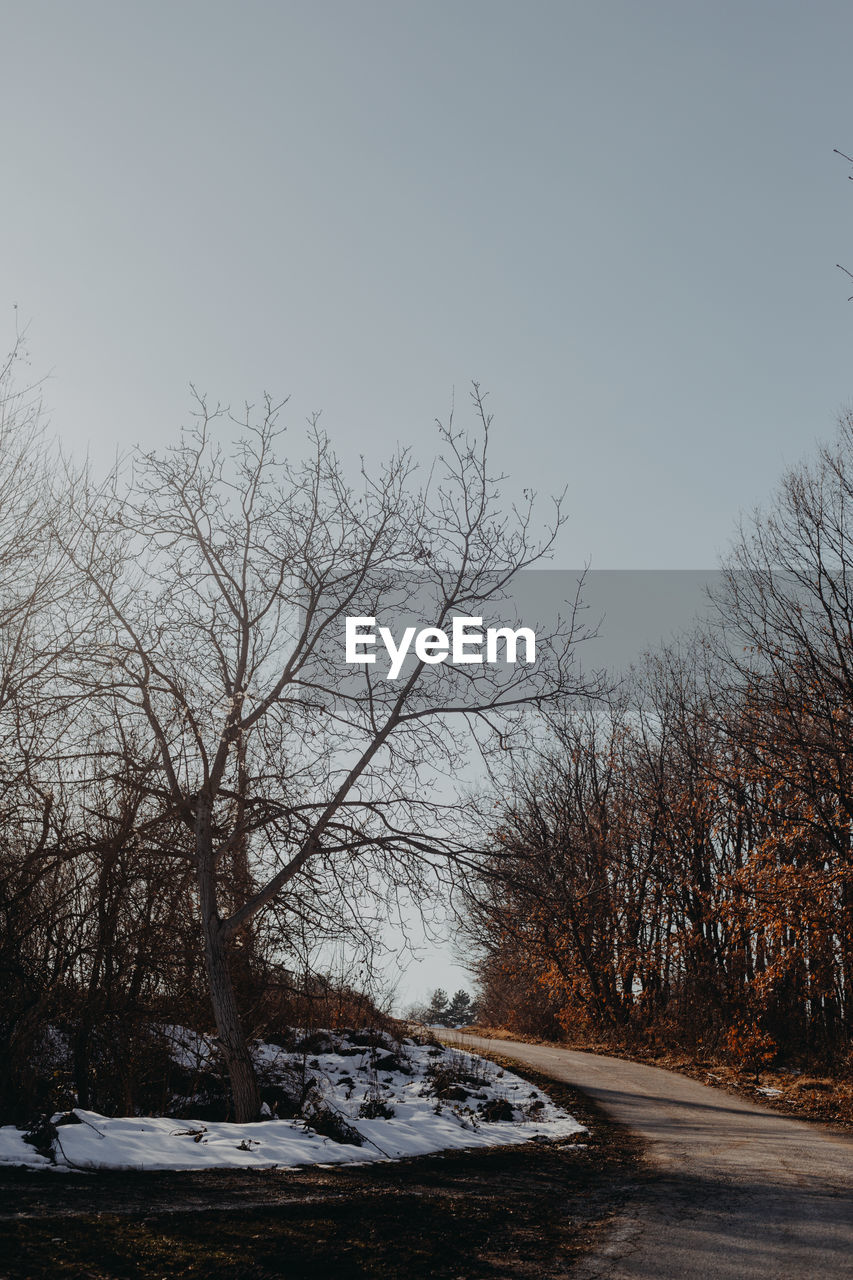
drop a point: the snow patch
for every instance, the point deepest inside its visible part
(367, 1102)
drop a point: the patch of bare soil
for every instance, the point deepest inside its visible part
(506, 1213)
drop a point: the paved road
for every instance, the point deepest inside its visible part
(738, 1192)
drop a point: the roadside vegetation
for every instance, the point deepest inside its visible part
(671, 872)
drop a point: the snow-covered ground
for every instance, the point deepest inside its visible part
(360, 1102)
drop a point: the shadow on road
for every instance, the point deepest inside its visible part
(678, 1227)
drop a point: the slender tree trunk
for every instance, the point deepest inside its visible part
(82, 1063)
(244, 1084)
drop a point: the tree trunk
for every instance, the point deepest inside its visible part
(82, 1063)
(244, 1084)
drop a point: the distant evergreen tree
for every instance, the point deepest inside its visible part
(460, 1010)
(440, 1011)
(435, 1014)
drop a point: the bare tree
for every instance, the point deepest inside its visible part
(787, 633)
(28, 551)
(217, 581)
(35, 888)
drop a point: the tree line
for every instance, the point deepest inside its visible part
(441, 1010)
(673, 866)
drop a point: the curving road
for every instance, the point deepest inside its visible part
(737, 1192)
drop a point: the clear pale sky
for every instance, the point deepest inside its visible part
(621, 218)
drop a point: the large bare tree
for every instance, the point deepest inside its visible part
(217, 578)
